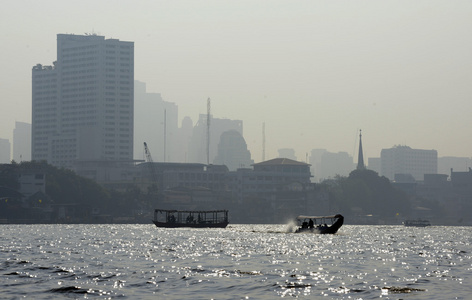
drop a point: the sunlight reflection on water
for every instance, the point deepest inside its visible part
(254, 261)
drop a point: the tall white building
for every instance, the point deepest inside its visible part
(404, 160)
(82, 105)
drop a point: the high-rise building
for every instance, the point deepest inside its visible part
(332, 164)
(22, 142)
(82, 105)
(315, 160)
(156, 123)
(404, 160)
(202, 150)
(233, 152)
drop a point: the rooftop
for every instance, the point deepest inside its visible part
(281, 161)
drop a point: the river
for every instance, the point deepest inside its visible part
(239, 262)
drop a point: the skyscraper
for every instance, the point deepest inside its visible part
(156, 124)
(83, 105)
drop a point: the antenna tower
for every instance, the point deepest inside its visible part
(208, 131)
(165, 133)
(263, 141)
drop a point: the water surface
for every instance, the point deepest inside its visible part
(239, 262)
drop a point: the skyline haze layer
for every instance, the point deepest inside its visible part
(315, 72)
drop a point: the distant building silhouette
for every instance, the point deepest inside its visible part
(332, 164)
(186, 175)
(184, 136)
(287, 153)
(315, 159)
(232, 151)
(5, 152)
(22, 142)
(462, 180)
(405, 160)
(460, 164)
(156, 123)
(269, 177)
(197, 148)
(273, 190)
(374, 164)
(31, 182)
(82, 106)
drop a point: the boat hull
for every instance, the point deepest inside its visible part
(196, 225)
(328, 230)
(416, 223)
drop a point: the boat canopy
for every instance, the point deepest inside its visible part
(189, 211)
(190, 218)
(317, 217)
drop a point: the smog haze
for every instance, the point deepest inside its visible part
(315, 72)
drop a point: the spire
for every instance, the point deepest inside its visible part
(360, 158)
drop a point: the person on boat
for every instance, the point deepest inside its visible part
(171, 219)
(189, 219)
(305, 224)
(311, 224)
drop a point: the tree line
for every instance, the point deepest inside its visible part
(363, 192)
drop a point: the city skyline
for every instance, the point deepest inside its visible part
(313, 72)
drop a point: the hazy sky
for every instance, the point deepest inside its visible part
(314, 71)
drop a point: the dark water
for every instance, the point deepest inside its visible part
(239, 262)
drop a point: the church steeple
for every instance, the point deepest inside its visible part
(360, 158)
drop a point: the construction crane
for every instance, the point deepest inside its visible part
(147, 153)
(152, 170)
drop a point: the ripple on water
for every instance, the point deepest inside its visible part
(258, 261)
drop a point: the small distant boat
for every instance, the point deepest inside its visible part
(320, 224)
(190, 218)
(416, 223)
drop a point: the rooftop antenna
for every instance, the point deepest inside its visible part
(208, 131)
(165, 133)
(263, 141)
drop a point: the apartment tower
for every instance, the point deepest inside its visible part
(82, 105)
(403, 160)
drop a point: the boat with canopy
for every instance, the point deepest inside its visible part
(190, 218)
(319, 224)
